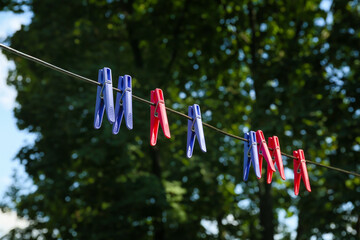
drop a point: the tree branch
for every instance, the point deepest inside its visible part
(134, 42)
(176, 34)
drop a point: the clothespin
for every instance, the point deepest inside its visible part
(264, 151)
(300, 171)
(158, 115)
(276, 155)
(195, 129)
(250, 150)
(123, 104)
(104, 98)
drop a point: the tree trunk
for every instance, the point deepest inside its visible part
(300, 228)
(266, 211)
(358, 227)
(134, 42)
(159, 233)
(221, 234)
(266, 201)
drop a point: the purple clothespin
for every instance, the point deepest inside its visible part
(250, 150)
(123, 104)
(104, 98)
(195, 128)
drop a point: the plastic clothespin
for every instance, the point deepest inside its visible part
(276, 155)
(264, 151)
(158, 115)
(104, 98)
(195, 129)
(300, 171)
(250, 150)
(123, 104)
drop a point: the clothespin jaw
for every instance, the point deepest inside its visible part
(123, 104)
(276, 155)
(158, 116)
(250, 151)
(264, 151)
(104, 98)
(195, 129)
(300, 171)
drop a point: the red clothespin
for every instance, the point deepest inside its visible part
(300, 168)
(158, 115)
(263, 151)
(276, 155)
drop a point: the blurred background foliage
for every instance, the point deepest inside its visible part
(289, 68)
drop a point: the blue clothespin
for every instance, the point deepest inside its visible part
(250, 150)
(195, 128)
(104, 98)
(123, 104)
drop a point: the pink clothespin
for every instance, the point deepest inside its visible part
(300, 171)
(158, 116)
(276, 155)
(264, 151)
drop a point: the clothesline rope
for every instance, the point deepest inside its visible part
(139, 99)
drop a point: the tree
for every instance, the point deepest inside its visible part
(271, 65)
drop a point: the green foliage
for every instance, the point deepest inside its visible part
(286, 67)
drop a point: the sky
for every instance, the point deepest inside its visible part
(11, 138)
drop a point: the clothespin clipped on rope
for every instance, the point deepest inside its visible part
(104, 98)
(276, 158)
(250, 151)
(264, 152)
(195, 129)
(158, 116)
(123, 104)
(300, 171)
